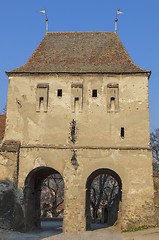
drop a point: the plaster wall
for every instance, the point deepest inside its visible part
(8, 166)
(95, 126)
(133, 167)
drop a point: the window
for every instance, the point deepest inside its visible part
(112, 97)
(59, 92)
(77, 96)
(76, 103)
(112, 103)
(41, 101)
(94, 93)
(42, 93)
(122, 132)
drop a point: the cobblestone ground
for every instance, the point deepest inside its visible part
(53, 231)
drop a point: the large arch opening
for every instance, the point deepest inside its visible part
(40, 197)
(103, 197)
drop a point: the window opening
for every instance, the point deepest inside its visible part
(112, 103)
(41, 101)
(42, 94)
(59, 92)
(94, 93)
(112, 97)
(77, 97)
(76, 103)
(122, 132)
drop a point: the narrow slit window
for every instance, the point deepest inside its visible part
(122, 132)
(76, 97)
(112, 103)
(94, 93)
(41, 101)
(112, 97)
(76, 103)
(42, 95)
(59, 92)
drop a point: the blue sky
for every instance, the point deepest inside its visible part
(23, 27)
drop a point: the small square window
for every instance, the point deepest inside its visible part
(59, 92)
(94, 93)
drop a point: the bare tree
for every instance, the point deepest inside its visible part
(103, 190)
(154, 143)
(52, 195)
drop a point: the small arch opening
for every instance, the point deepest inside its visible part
(103, 197)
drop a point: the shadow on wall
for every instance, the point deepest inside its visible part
(11, 212)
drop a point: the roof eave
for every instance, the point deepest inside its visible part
(9, 73)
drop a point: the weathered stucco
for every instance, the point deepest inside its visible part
(96, 127)
(46, 141)
(133, 167)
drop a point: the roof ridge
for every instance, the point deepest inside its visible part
(80, 32)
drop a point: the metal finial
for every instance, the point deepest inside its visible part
(116, 19)
(46, 19)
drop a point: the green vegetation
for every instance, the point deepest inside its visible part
(136, 229)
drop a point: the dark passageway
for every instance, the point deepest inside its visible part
(103, 196)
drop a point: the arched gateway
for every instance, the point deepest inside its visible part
(78, 105)
(32, 196)
(107, 192)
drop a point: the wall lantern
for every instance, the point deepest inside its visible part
(74, 160)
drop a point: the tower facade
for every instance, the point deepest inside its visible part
(79, 107)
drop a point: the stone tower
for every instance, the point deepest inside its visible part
(79, 107)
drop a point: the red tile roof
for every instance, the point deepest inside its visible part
(2, 125)
(80, 52)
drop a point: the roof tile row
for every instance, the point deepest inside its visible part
(80, 52)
